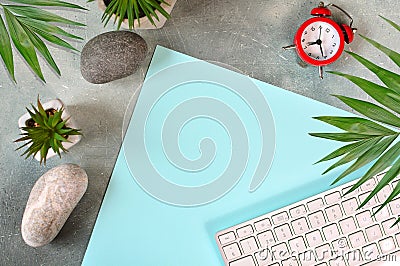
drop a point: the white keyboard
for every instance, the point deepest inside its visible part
(326, 229)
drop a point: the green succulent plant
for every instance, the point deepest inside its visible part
(372, 138)
(46, 129)
(28, 25)
(133, 9)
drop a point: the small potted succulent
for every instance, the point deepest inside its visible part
(142, 14)
(47, 130)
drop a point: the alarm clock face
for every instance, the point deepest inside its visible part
(319, 41)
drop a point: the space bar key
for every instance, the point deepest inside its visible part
(246, 261)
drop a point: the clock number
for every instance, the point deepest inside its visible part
(331, 52)
(312, 28)
(317, 57)
(320, 27)
(305, 47)
(334, 44)
(305, 32)
(303, 40)
(309, 54)
(325, 56)
(327, 30)
(333, 36)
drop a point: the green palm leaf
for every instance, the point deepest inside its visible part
(22, 42)
(6, 52)
(390, 79)
(370, 141)
(27, 26)
(371, 110)
(40, 14)
(48, 3)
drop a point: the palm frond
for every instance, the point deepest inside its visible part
(27, 26)
(369, 139)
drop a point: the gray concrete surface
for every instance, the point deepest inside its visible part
(247, 35)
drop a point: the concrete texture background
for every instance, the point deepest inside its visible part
(247, 35)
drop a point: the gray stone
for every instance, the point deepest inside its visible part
(111, 56)
(52, 199)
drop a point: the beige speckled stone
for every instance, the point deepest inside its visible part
(52, 199)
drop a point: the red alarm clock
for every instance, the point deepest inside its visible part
(320, 40)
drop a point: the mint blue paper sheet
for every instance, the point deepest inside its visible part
(206, 148)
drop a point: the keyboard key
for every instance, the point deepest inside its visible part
(351, 194)
(341, 245)
(297, 245)
(323, 252)
(283, 232)
(316, 219)
(388, 227)
(300, 226)
(370, 252)
(333, 213)
(350, 206)
(266, 239)
(368, 185)
(264, 257)
(395, 182)
(280, 218)
(387, 245)
(354, 257)
(384, 193)
(246, 261)
(292, 261)
(395, 206)
(262, 225)
(364, 219)
(315, 205)
(347, 225)
(244, 231)
(333, 198)
(314, 238)
(226, 238)
(331, 232)
(339, 261)
(373, 232)
(372, 202)
(298, 211)
(307, 258)
(280, 251)
(383, 214)
(232, 251)
(357, 239)
(249, 245)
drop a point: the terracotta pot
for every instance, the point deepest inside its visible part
(144, 21)
(54, 104)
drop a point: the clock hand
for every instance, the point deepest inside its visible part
(320, 31)
(312, 43)
(320, 48)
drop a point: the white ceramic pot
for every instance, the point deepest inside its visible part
(144, 21)
(54, 104)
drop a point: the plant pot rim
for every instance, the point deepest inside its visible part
(55, 104)
(144, 21)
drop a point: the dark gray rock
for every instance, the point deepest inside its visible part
(52, 199)
(111, 56)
